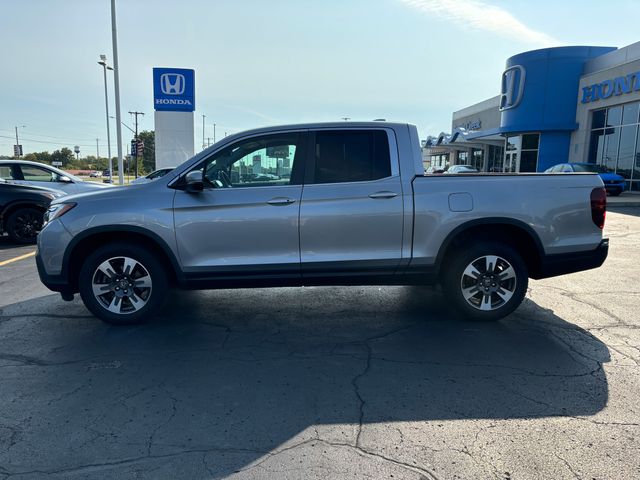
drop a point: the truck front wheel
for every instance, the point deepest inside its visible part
(123, 284)
(485, 281)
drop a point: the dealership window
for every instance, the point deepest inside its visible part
(477, 158)
(439, 160)
(614, 141)
(521, 153)
(496, 159)
(463, 158)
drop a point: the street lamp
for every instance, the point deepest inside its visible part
(105, 67)
(204, 145)
(124, 124)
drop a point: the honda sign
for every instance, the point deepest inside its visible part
(174, 89)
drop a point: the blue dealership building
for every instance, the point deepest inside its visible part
(577, 104)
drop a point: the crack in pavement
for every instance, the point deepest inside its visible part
(359, 450)
(568, 465)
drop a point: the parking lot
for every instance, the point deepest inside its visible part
(358, 382)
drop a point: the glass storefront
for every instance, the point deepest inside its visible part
(521, 153)
(615, 143)
(477, 158)
(440, 160)
(496, 159)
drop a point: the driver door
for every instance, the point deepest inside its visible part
(245, 221)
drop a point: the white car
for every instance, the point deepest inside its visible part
(161, 172)
(461, 169)
(42, 175)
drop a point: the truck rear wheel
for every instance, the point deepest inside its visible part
(123, 284)
(486, 281)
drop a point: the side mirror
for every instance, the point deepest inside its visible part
(194, 181)
(64, 179)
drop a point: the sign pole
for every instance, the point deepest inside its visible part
(116, 75)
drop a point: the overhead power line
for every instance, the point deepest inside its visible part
(51, 142)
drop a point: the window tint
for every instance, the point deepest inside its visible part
(351, 156)
(257, 162)
(37, 174)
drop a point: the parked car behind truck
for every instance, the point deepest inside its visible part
(354, 208)
(22, 209)
(613, 183)
(37, 174)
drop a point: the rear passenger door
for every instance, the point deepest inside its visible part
(351, 212)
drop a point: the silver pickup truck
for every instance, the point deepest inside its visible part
(321, 204)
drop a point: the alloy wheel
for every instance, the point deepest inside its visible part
(122, 285)
(488, 282)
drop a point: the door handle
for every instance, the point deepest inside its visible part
(281, 201)
(383, 195)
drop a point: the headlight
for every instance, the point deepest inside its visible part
(57, 210)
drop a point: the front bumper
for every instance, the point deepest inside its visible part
(56, 283)
(563, 263)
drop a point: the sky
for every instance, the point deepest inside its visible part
(266, 62)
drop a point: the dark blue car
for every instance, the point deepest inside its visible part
(613, 182)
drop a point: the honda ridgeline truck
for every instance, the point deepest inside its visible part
(321, 204)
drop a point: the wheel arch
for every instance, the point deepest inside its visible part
(515, 233)
(93, 238)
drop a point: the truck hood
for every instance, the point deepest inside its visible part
(103, 194)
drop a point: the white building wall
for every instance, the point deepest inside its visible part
(174, 138)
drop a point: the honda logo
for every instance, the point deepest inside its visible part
(172, 83)
(512, 87)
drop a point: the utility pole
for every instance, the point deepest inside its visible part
(214, 133)
(116, 78)
(204, 145)
(208, 141)
(135, 114)
(97, 149)
(17, 144)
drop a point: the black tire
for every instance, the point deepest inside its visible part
(24, 224)
(145, 264)
(498, 283)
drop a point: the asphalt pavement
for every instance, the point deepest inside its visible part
(331, 382)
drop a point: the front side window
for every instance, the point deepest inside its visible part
(351, 156)
(270, 160)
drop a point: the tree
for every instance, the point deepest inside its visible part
(63, 155)
(149, 156)
(40, 157)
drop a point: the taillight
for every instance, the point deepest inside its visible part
(598, 206)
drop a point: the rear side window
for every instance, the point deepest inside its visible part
(351, 156)
(6, 172)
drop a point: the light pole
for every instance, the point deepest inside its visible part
(116, 78)
(17, 151)
(214, 133)
(105, 67)
(204, 145)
